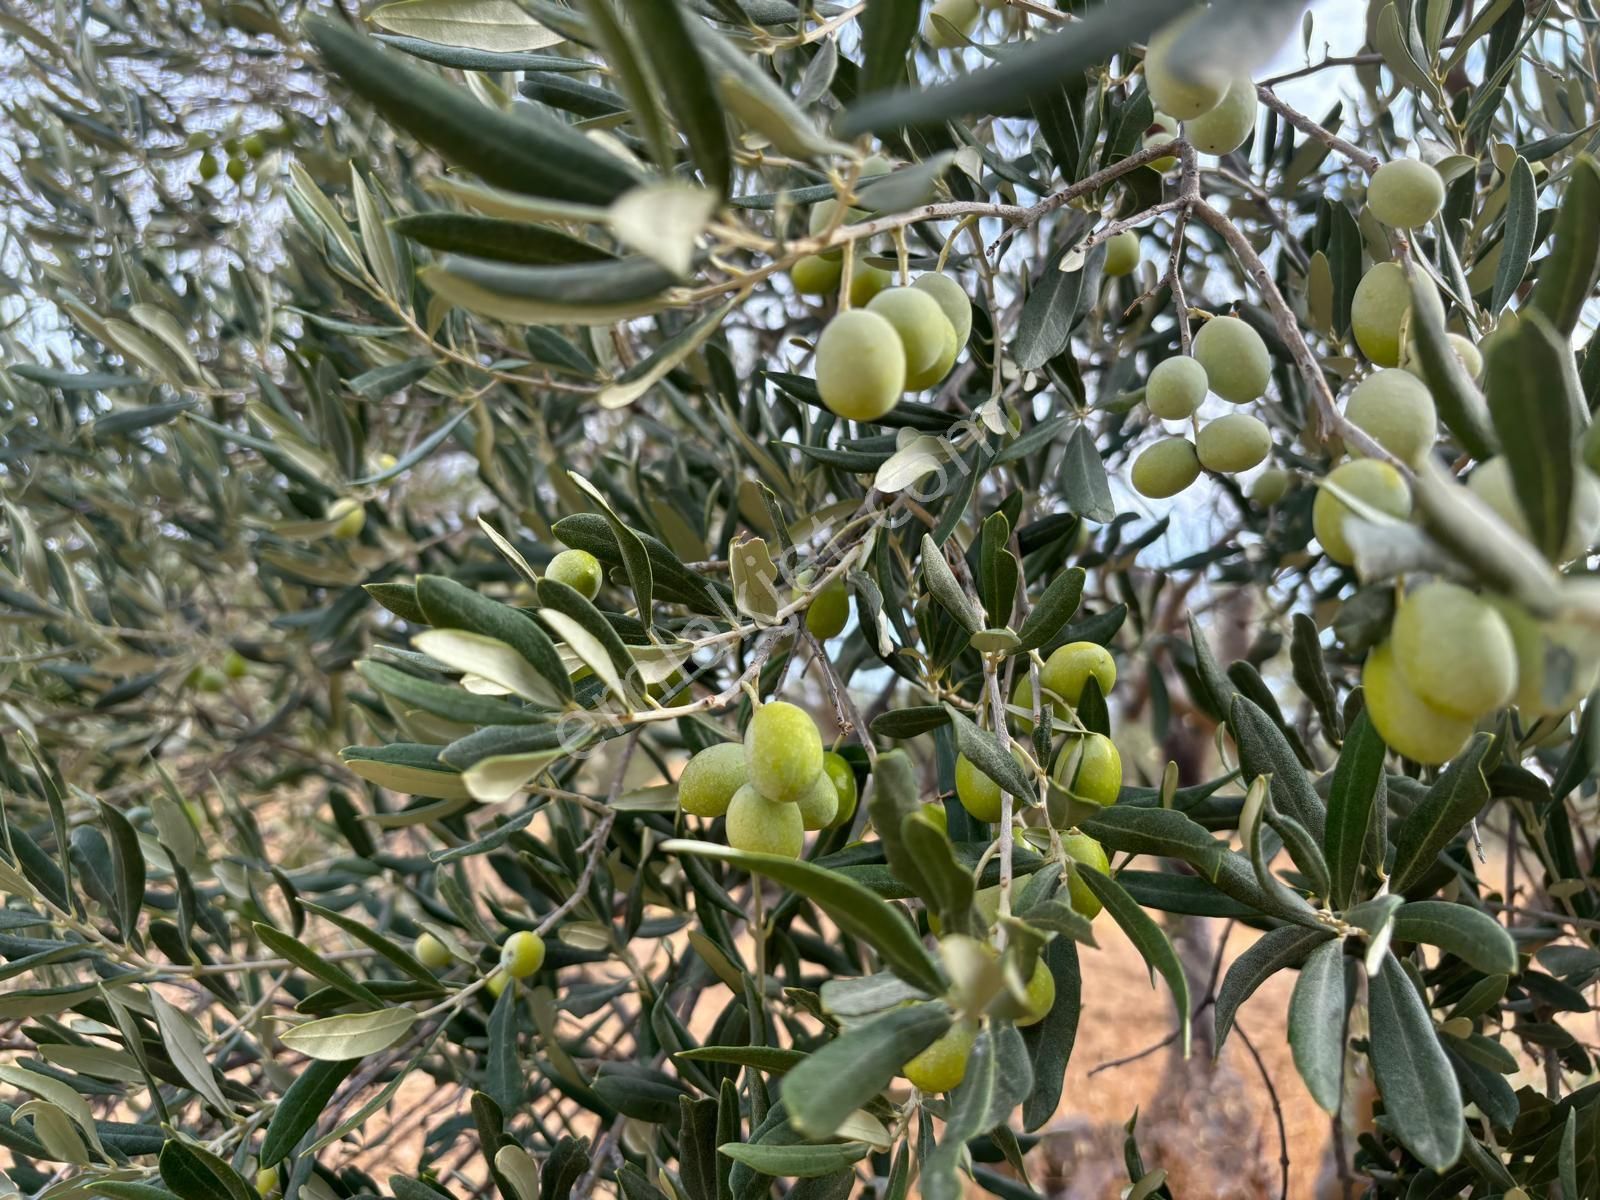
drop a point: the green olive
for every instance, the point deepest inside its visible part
(1556, 660)
(961, 17)
(579, 570)
(1232, 443)
(209, 167)
(1122, 254)
(234, 665)
(1491, 483)
(829, 611)
(761, 826)
(1237, 364)
(783, 751)
(925, 334)
(1165, 468)
(431, 952)
(1405, 193)
(1270, 486)
(1069, 668)
(522, 954)
(1225, 128)
(1378, 309)
(1176, 91)
(1396, 408)
(237, 169)
(710, 779)
(866, 282)
(1373, 483)
(820, 805)
(1176, 388)
(1406, 722)
(979, 795)
(255, 145)
(1022, 698)
(1082, 848)
(861, 366)
(1089, 767)
(1454, 650)
(1041, 996)
(943, 1065)
(952, 300)
(266, 1181)
(1467, 354)
(1163, 131)
(815, 275)
(838, 769)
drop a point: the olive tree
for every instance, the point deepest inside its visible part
(662, 565)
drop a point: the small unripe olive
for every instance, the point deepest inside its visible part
(761, 826)
(1163, 131)
(1237, 364)
(962, 15)
(920, 323)
(816, 275)
(349, 517)
(1396, 408)
(710, 779)
(1225, 128)
(1404, 721)
(266, 1181)
(1232, 443)
(234, 665)
(952, 300)
(943, 1065)
(979, 795)
(1405, 193)
(783, 751)
(1270, 486)
(1166, 468)
(1176, 387)
(843, 777)
(1090, 768)
(208, 166)
(207, 679)
(1467, 354)
(1173, 91)
(1368, 480)
(237, 169)
(522, 954)
(431, 952)
(1082, 848)
(1454, 650)
(866, 282)
(1122, 253)
(820, 805)
(1491, 483)
(861, 366)
(579, 570)
(1041, 996)
(1068, 669)
(255, 146)
(1378, 309)
(829, 611)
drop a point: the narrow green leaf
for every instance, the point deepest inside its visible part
(1521, 222)
(350, 1035)
(887, 29)
(1569, 273)
(1051, 612)
(1263, 750)
(1357, 792)
(1316, 1024)
(1454, 799)
(1474, 937)
(796, 1161)
(941, 583)
(1461, 405)
(1421, 1098)
(313, 964)
(1286, 946)
(1050, 1041)
(298, 1109)
(196, 1174)
(1053, 307)
(982, 749)
(686, 81)
(848, 1072)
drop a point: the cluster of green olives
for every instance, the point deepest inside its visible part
(772, 788)
(1229, 358)
(238, 153)
(904, 340)
(1454, 657)
(521, 955)
(1218, 111)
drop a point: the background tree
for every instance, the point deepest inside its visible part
(586, 552)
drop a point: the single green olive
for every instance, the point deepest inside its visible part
(943, 1065)
(431, 952)
(711, 777)
(1396, 408)
(579, 570)
(1122, 254)
(1454, 650)
(1069, 668)
(1405, 193)
(1176, 388)
(952, 300)
(838, 769)
(522, 954)
(761, 826)
(1237, 364)
(816, 275)
(1165, 468)
(1232, 443)
(783, 751)
(1082, 848)
(1041, 996)
(820, 805)
(829, 611)
(1225, 128)
(1374, 483)
(1379, 308)
(1173, 86)
(925, 333)
(861, 366)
